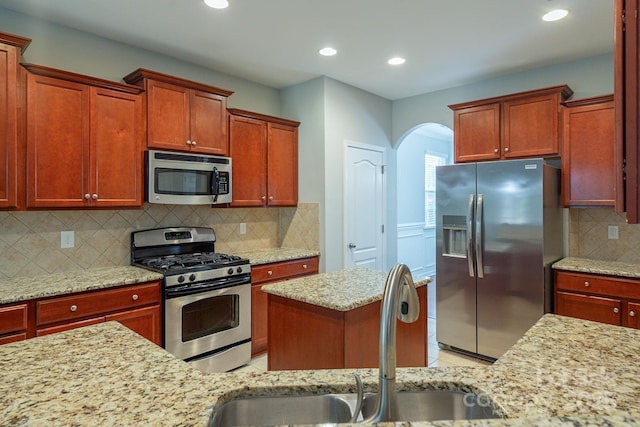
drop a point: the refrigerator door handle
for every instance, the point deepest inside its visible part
(470, 236)
(480, 264)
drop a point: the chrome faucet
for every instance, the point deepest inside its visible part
(400, 300)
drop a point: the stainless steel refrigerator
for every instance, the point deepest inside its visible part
(499, 229)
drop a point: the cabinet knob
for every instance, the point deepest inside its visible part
(271, 198)
(304, 266)
(73, 308)
(270, 273)
(632, 313)
(134, 297)
(616, 310)
(87, 196)
(587, 284)
(188, 142)
(193, 143)
(94, 197)
(264, 198)
(506, 149)
(495, 150)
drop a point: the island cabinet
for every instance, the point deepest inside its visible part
(264, 150)
(13, 323)
(588, 152)
(524, 124)
(308, 336)
(605, 299)
(11, 134)
(270, 273)
(136, 307)
(84, 141)
(182, 114)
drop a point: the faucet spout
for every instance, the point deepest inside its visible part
(400, 300)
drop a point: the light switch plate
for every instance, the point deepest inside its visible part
(612, 232)
(243, 228)
(67, 239)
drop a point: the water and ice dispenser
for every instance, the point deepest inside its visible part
(454, 236)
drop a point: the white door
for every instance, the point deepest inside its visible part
(364, 202)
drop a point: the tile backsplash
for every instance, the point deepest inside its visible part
(588, 229)
(30, 241)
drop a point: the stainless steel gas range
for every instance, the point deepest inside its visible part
(207, 296)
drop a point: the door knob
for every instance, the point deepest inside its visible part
(352, 245)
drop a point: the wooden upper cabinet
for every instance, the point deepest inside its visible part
(627, 107)
(588, 154)
(84, 141)
(519, 125)
(183, 115)
(11, 99)
(264, 150)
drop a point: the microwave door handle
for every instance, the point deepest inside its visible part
(215, 186)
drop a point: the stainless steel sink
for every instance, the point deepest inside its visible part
(284, 410)
(437, 405)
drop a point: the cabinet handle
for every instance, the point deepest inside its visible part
(73, 308)
(587, 284)
(270, 273)
(506, 149)
(615, 310)
(95, 196)
(495, 150)
(87, 196)
(271, 198)
(193, 143)
(304, 266)
(264, 198)
(632, 313)
(188, 142)
(134, 297)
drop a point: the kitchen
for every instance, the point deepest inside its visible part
(98, 224)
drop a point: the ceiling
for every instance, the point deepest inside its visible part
(446, 43)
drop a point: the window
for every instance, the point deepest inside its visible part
(430, 163)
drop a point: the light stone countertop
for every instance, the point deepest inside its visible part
(26, 288)
(340, 290)
(610, 268)
(563, 371)
(266, 256)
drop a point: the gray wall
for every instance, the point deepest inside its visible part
(67, 49)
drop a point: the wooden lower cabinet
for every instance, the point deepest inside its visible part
(605, 299)
(270, 273)
(306, 336)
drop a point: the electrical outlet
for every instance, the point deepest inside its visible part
(612, 232)
(243, 228)
(67, 239)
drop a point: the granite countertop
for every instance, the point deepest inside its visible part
(266, 256)
(26, 288)
(340, 290)
(563, 370)
(610, 268)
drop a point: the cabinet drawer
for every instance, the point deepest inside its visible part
(283, 270)
(95, 303)
(68, 326)
(591, 283)
(13, 319)
(598, 309)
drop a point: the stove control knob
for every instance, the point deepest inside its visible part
(192, 277)
(180, 279)
(230, 271)
(239, 269)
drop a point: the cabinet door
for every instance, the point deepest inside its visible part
(259, 302)
(8, 126)
(282, 165)
(633, 312)
(598, 309)
(588, 162)
(477, 133)
(144, 321)
(531, 126)
(208, 123)
(248, 149)
(57, 142)
(167, 116)
(117, 128)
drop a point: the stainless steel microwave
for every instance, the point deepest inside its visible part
(187, 179)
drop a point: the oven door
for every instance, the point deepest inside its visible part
(203, 322)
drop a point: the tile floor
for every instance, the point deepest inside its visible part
(436, 356)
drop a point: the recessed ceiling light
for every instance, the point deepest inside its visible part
(327, 51)
(217, 4)
(555, 15)
(396, 61)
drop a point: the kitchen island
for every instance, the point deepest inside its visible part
(331, 321)
(563, 370)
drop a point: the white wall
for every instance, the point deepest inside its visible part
(61, 47)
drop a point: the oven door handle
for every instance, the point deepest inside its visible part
(209, 285)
